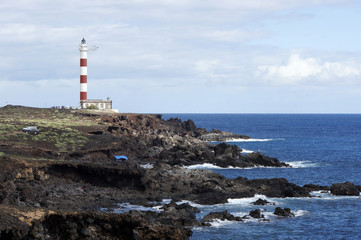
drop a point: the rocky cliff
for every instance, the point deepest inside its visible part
(57, 184)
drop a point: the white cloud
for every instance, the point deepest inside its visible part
(155, 45)
(298, 69)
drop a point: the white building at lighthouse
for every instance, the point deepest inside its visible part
(84, 101)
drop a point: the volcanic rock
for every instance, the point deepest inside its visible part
(276, 187)
(256, 213)
(262, 202)
(345, 189)
(219, 215)
(286, 212)
(56, 185)
(178, 215)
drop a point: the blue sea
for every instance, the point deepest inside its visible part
(322, 148)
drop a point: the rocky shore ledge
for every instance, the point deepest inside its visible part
(63, 182)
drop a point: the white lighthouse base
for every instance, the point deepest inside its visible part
(98, 103)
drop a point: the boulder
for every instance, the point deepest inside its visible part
(226, 149)
(256, 213)
(262, 202)
(178, 215)
(345, 189)
(219, 215)
(286, 212)
(275, 187)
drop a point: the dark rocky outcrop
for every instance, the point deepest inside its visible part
(53, 185)
(143, 138)
(178, 215)
(95, 226)
(262, 202)
(219, 136)
(256, 213)
(222, 155)
(128, 176)
(219, 215)
(276, 187)
(345, 189)
(286, 212)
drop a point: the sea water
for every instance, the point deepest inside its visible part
(322, 148)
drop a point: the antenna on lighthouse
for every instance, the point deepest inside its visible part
(93, 48)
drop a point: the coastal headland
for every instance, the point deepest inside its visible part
(62, 181)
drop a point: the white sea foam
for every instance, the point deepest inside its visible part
(299, 213)
(247, 151)
(268, 215)
(246, 218)
(192, 203)
(302, 164)
(254, 139)
(321, 193)
(203, 166)
(212, 166)
(166, 201)
(209, 166)
(148, 165)
(220, 223)
(249, 200)
(326, 195)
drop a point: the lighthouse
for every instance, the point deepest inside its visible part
(85, 103)
(83, 48)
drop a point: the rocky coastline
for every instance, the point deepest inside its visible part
(63, 182)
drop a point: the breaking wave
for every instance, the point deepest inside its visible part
(326, 195)
(217, 223)
(212, 166)
(203, 166)
(254, 140)
(302, 164)
(247, 151)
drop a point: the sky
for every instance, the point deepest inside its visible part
(189, 56)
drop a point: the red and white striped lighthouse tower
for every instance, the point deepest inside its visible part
(83, 48)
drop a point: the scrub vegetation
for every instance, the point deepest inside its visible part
(61, 130)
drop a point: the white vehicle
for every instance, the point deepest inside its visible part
(31, 129)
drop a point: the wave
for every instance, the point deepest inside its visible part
(269, 216)
(247, 151)
(203, 166)
(254, 139)
(232, 201)
(327, 195)
(249, 200)
(302, 164)
(217, 223)
(300, 213)
(212, 166)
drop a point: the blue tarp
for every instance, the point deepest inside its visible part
(120, 158)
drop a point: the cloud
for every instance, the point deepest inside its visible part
(297, 70)
(155, 46)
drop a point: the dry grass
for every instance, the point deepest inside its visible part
(58, 128)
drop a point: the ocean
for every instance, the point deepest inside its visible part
(322, 148)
